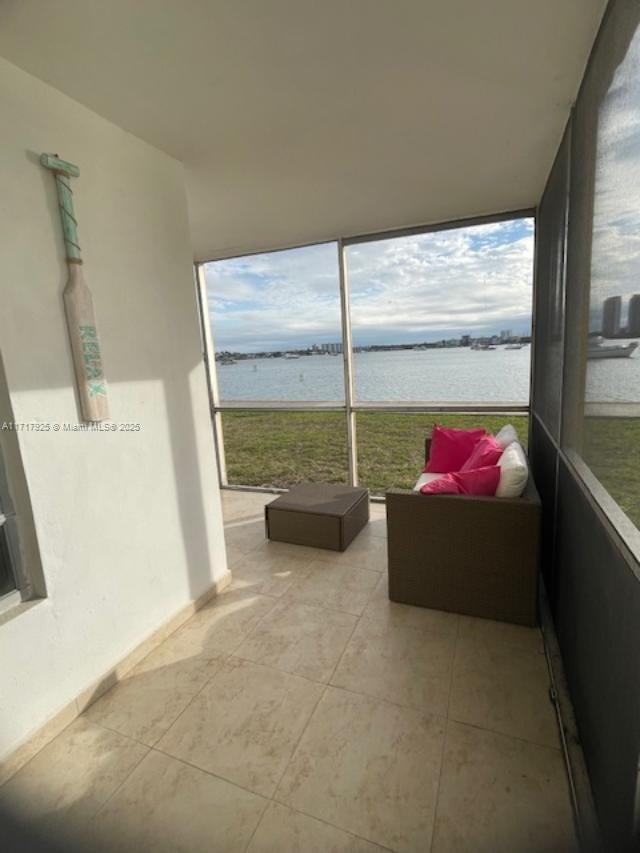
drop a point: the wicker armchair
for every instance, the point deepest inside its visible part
(473, 555)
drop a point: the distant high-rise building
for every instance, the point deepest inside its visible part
(334, 348)
(611, 311)
(506, 335)
(634, 316)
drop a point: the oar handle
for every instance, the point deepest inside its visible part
(63, 171)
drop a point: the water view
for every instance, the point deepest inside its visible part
(458, 374)
(435, 375)
(436, 318)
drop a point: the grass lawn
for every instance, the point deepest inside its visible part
(284, 448)
(611, 448)
(391, 446)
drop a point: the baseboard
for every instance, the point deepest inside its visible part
(65, 716)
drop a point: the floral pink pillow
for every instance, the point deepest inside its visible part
(450, 448)
(478, 481)
(486, 452)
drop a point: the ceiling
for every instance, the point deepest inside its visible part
(303, 120)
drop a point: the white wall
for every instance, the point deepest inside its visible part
(128, 523)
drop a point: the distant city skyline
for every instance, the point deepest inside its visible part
(336, 348)
(468, 281)
(610, 317)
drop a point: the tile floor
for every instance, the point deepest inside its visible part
(302, 712)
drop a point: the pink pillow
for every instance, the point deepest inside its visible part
(444, 485)
(486, 452)
(450, 448)
(479, 481)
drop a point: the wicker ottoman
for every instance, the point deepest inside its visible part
(318, 515)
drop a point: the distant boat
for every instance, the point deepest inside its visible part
(482, 347)
(514, 346)
(225, 360)
(291, 355)
(598, 349)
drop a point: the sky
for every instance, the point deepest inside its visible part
(615, 249)
(475, 280)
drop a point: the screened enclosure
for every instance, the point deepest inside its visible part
(585, 412)
(332, 362)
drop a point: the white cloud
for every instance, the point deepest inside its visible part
(615, 249)
(270, 301)
(451, 282)
(472, 280)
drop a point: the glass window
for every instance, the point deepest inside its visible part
(276, 325)
(604, 374)
(284, 448)
(7, 568)
(550, 294)
(391, 445)
(437, 317)
(444, 316)
(7, 580)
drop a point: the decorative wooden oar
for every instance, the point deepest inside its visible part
(78, 303)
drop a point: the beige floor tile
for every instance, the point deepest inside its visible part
(500, 633)
(224, 623)
(283, 830)
(244, 506)
(500, 795)
(166, 805)
(405, 665)
(365, 552)
(60, 790)
(156, 692)
(245, 724)
(301, 639)
(234, 555)
(390, 613)
(504, 689)
(245, 535)
(270, 550)
(181, 659)
(336, 586)
(17, 759)
(270, 574)
(377, 509)
(377, 525)
(368, 767)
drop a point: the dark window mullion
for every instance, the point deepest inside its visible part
(7, 578)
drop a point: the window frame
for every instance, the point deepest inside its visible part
(8, 532)
(583, 128)
(350, 406)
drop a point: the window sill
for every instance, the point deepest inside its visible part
(12, 605)
(9, 600)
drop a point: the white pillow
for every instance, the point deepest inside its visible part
(425, 478)
(514, 472)
(506, 435)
